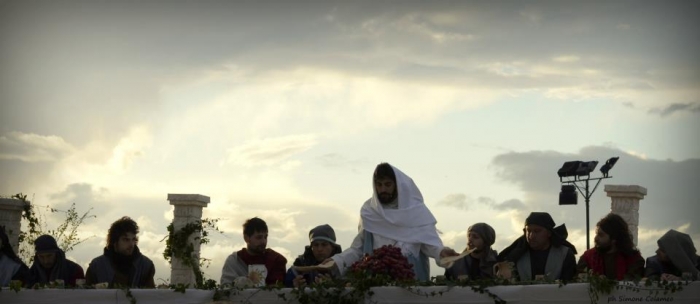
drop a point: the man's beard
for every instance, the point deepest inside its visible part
(386, 198)
(603, 249)
(257, 249)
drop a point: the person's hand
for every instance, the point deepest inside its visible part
(323, 277)
(447, 251)
(329, 260)
(669, 277)
(256, 277)
(299, 281)
(243, 282)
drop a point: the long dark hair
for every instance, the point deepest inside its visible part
(7, 247)
(618, 230)
(119, 228)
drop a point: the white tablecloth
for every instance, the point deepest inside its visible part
(98, 296)
(519, 294)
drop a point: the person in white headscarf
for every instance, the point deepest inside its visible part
(396, 215)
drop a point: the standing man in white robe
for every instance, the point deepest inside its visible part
(396, 215)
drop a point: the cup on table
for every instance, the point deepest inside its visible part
(687, 276)
(503, 270)
(257, 273)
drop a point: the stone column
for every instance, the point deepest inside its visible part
(188, 209)
(11, 218)
(625, 203)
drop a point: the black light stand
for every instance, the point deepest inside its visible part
(580, 172)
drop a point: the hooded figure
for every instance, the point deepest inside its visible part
(314, 254)
(556, 261)
(676, 255)
(50, 264)
(479, 263)
(11, 266)
(400, 219)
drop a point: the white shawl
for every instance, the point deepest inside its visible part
(411, 223)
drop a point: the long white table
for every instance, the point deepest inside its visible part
(519, 294)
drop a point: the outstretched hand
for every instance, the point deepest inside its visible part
(447, 251)
(669, 277)
(333, 268)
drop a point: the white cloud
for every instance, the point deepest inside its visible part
(270, 151)
(623, 26)
(30, 147)
(300, 100)
(566, 58)
(507, 69)
(457, 200)
(416, 24)
(641, 155)
(130, 147)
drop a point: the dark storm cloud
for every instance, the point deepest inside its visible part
(671, 200)
(84, 70)
(677, 107)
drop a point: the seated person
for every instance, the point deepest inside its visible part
(675, 256)
(395, 215)
(122, 264)
(322, 246)
(11, 266)
(614, 254)
(50, 264)
(236, 267)
(478, 264)
(542, 251)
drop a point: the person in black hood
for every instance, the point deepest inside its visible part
(322, 247)
(122, 264)
(11, 266)
(676, 255)
(542, 250)
(50, 264)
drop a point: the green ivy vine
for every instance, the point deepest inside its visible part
(33, 223)
(177, 245)
(601, 285)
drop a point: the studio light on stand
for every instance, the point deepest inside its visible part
(574, 172)
(568, 195)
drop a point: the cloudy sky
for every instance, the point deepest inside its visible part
(283, 110)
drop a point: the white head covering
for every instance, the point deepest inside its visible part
(412, 222)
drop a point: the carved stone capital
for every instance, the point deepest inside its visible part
(11, 218)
